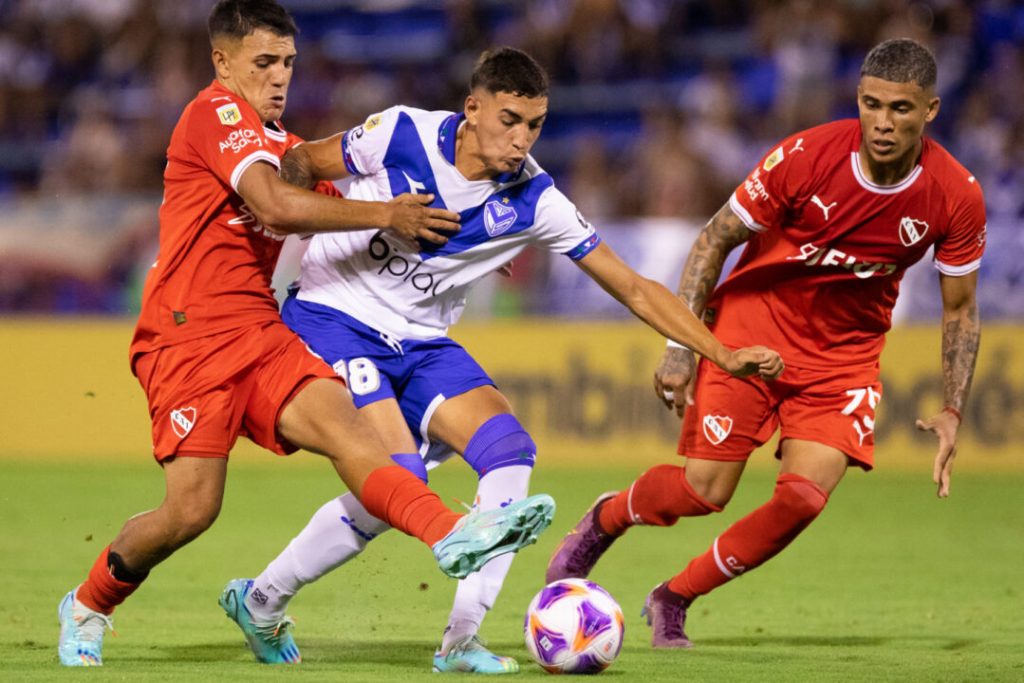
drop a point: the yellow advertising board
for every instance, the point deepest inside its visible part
(584, 390)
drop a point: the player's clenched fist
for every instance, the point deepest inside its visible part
(412, 219)
(754, 359)
(673, 379)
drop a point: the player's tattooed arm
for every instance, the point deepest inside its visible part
(723, 233)
(673, 378)
(314, 160)
(961, 337)
(297, 168)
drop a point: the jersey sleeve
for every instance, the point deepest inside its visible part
(561, 228)
(767, 193)
(959, 252)
(328, 188)
(228, 138)
(364, 146)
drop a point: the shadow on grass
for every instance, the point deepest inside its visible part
(836, 641)
(398, 653)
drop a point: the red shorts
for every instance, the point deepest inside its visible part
(731, 417)
(204, 393)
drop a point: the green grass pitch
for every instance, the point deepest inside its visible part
(890, 584)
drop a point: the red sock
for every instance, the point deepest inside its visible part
(658, 498)
(755, 539)
(393, 494)
(101, 591)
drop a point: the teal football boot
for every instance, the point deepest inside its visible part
(471, 656)
(479, 537)
(81, 632)
(272, 643)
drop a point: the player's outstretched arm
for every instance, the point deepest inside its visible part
(961, 336)
(286, 209)
(306, 164)
(673, 378)
(653, 303)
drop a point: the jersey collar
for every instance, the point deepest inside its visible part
(446, 137)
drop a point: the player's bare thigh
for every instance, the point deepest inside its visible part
(322, 419)
(824, 465)
(389, 423)
(458, 418)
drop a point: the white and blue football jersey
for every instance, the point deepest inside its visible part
(418, 295)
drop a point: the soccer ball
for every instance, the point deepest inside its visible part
(574, 626)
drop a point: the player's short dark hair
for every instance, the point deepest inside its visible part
(901, 60)
(239, 18)
(506, 69)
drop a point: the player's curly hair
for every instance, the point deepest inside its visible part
(506, 69)
(239, 18)
(901, 60)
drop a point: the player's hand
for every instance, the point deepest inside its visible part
(945, 426)
(411, 219)
(754, 359)
(673, 379)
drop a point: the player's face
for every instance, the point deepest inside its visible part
(258, 68)
(892, 119)
(505, 127)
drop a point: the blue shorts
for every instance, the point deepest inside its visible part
(419, 374)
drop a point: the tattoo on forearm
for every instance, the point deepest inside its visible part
(961, 337)
(723, 233)
(296, 169)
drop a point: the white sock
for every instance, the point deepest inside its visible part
(337, 532)
(477, 592)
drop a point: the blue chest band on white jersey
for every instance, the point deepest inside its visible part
(500, 442)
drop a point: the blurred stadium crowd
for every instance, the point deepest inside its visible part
(659, 108)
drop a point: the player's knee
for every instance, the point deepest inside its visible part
(500, 442)
(662, 495)
(413, 463)
(712, 485)
(802, 499)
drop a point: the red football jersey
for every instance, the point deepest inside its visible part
(819, 278)
(216, 260)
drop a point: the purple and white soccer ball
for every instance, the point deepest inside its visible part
(574, 626)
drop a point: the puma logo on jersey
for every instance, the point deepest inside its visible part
(821, 205)
(798, 147)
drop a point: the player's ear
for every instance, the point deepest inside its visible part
(472, 109)
(933, 109)
(221, 58)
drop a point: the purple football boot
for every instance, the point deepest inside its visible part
(580, 550)
(666, 615)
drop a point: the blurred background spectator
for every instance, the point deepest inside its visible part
(659, 107)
